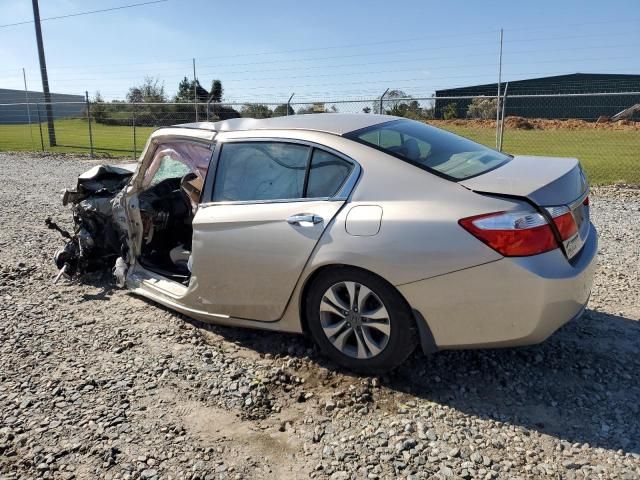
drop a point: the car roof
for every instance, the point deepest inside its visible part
(335, 123)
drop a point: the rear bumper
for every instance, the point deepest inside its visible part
(509, 302)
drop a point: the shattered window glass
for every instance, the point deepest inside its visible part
(169, 168)
(175, 160)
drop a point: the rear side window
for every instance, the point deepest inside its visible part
(326, 174)
(433, 149)
(260, 171)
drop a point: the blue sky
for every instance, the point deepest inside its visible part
(263, 50)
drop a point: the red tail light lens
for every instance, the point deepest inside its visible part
(564, 221)
(585, 202)
(512, 234)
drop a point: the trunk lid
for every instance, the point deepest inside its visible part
(545, 181)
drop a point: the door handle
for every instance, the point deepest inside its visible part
(304, 219)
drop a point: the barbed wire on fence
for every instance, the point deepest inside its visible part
(575, 124)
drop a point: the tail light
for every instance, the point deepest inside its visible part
(565, 223)
(512, 234)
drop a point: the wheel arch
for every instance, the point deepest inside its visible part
(427, 342)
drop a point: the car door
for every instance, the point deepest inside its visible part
(270, 201)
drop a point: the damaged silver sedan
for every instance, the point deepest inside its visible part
(371, 233)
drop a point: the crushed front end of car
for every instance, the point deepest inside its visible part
(98, 239)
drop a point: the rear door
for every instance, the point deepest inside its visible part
(269, 203)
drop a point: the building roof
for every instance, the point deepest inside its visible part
(569, 83)
(9, 95)
(336, 123)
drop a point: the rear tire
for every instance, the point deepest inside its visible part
(359, 320)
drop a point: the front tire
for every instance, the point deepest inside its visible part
(359, 320)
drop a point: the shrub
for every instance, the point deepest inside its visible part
(450, 111)
(484, 108)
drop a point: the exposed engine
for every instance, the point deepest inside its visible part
(96, 241)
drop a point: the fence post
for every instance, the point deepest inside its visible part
(26, 95)
(86, 97)
(40, 125)
(504, 103)
(381, 98)
(133, 121)
(289, 103)
(498, 96)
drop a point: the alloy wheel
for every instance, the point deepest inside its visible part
(355, 320)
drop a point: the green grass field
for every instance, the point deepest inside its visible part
(73, 136)
(608, 156)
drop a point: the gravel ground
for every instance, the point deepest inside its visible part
(97, 383)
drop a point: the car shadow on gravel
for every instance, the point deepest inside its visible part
(101, 280)
(581, 385)
(577, 386)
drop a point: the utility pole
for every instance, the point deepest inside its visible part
(498, 96)
(43, 72)
(195, 89)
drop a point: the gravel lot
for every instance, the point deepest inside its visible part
(96, 383)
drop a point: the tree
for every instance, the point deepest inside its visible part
(400, 104)
(484, 108)
(282, 110)
(150, 91)
(450, 111)
(255, 110)
(410, 109)
(318, 107)
(216, 91)
(185, 92)
(394, 103)
(98, 108)
(190, 91)
(222, 112)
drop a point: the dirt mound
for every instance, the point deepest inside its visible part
(521, 123)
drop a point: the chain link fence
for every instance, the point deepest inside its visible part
(602, 130)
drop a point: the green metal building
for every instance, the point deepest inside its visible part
(538, 103)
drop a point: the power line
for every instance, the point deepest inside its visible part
(403, 83)
(85, 13)
(220, 69)
(462, 65)
(413, 39)
(422, 37)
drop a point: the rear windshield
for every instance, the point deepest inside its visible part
(431, 148)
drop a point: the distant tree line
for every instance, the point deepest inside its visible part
(400, 104)
(148, 104)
